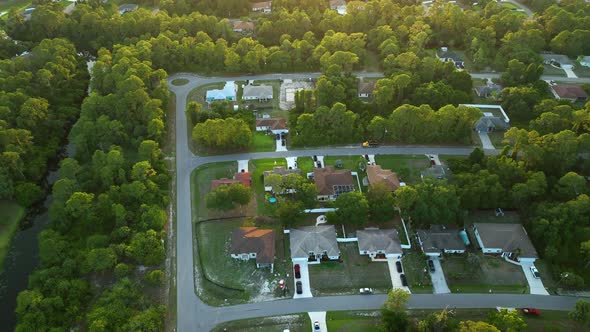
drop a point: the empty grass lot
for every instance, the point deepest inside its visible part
(356, 271)
(293, 322)
(408, 167)
(262, 142)
(214, 239)
(10, 215)
(257, 167)
(353, 321)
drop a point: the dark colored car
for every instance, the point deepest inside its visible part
(398, 265)
(431, 265)
(278, 137)
(403, 279)
(316, 326)
(319, 163)
(297, 271)
(284, 142)
(367, 157)
(315, 158)
(299, 287)
(283, 135)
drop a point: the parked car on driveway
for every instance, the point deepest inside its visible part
(278, 137)
(366, 291)
(403, 279)
(398, 265)
(299, 287)
(431, 266)
(531, 311)
(316, 326)
(297, 271)
(535, 272)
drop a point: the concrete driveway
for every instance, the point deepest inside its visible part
(486, 142)
(439, 283)
(304, 281)
(291, 162)
(280, 146)
(570, 73)
(320, 317)
(535, 285)
(243, 165)
(396, 282)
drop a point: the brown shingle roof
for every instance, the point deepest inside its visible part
(366, 87)
(274, 123)
(243, 25)
(247, 240)
(244, 178)
(570, 91)
(327, 180)
(262, 5)
(222, 182)
(281, 170)
(376, 175)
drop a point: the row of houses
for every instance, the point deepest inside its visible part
(249, 92)
(265, 7)
(314, 244)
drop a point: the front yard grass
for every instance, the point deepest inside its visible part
(11, 214)
(483, 274)
(235, 280)
(414, 266)
(408, 167)
(294, 322)
(305, 164)
(262, 142)
(257, 167)
(356, 271)
(582, 71)
(497, 137)
(552, 71)
(353, 321)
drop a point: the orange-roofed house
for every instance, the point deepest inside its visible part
(254, 243)
(376, 174)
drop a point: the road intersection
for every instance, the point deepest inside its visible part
(194, 315)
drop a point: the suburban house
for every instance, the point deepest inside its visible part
(314, 244)
(573, 93)
(379, 244)
(127, 8)
(445, 55)
(274, 125)
(227, 93)
(366, 88)
(557, 60)
(264, 7)
(439, 239)
(584, 61)
(339, 6)
(508, 240)
(331, 183)
(243, 26)
(494, 118)
(254, 243)
(282, 171)
(489, 90)
(257, 92)
(245, 178)
(376, 174)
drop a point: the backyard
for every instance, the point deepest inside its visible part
(257, 168)
(201, 185)
(293, 322)
(237, 281)
(408, 167)
(355, 271)
(476, 273)
(10, 215)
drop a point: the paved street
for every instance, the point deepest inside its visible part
(194, 315)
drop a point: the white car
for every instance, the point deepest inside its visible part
(316, 326)
(366, 290)
(535, 272)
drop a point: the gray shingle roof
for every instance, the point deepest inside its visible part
(508, 237)
(315, 239)
(437, 239)
(373, 240)
(257, 91)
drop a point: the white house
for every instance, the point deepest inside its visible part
(339, 6)
(314, 244)
(584, 61)
(264, 7)
(274, 125)
(127, 8)
(507, 240)
(257, 92)
(439, 239)
(557, 60)
(379, 244)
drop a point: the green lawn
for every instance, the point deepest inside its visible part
(6, 5)
(243, 280)
(293, 322)
(510, 5)
(582, 71)
(305, 164)
(482, 275)
(10, 215)
(257, 167)
(414, 265)
(550, 70)
(262, 142)
(264, 105)
(353, 321)
(408, 167)
(356, 271)
(496, 137)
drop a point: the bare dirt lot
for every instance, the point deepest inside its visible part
(288, 88)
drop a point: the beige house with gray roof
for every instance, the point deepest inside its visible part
(506, 240)
(314, 244)
(379, 243)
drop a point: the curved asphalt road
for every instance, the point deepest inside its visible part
(194, 315)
